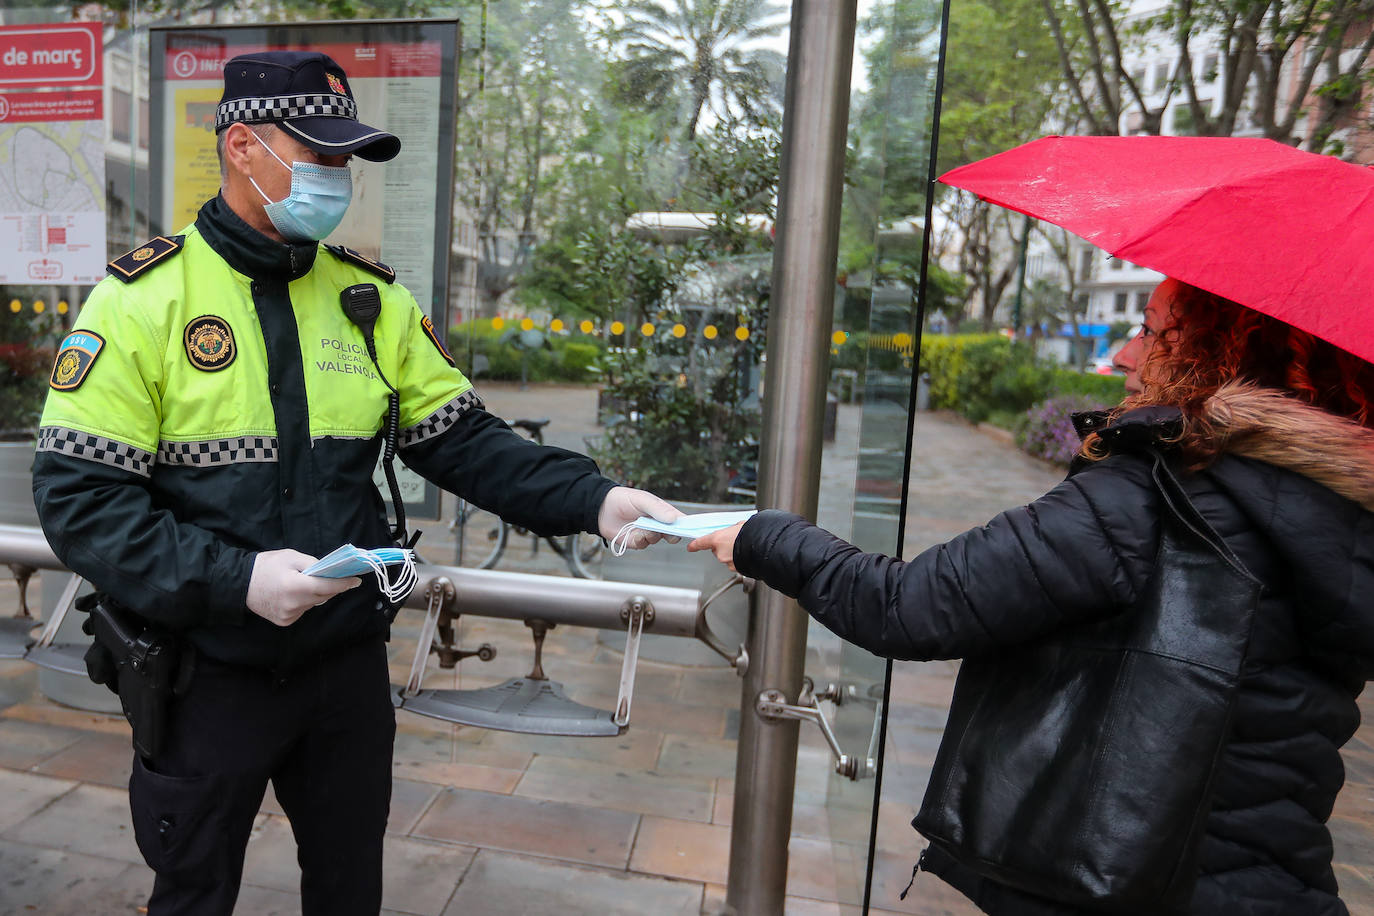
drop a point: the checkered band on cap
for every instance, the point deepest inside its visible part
(214, 452)
(284, 108)
(90, 447)
(441, 419)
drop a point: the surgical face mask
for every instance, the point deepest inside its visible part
(354, 561)
(688, 527)
(319, 197)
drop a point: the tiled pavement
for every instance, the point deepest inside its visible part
(497, 823)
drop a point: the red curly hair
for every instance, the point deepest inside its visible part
(1208, 341)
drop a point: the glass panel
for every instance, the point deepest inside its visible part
(613, 251)
(876, 323)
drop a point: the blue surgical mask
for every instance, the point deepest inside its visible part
(690, 527)
(319, 197)
(354, 561)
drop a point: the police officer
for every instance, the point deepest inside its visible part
(212, 428)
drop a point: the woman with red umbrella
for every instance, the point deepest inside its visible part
(1162, 655)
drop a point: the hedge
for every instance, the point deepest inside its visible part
(562, 358)
(986, 376)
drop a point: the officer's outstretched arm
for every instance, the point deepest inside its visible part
(548, 490)
(448, 437)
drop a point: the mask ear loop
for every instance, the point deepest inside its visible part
(394, 589)
(621, 542)
(274, 156)
(406, 579)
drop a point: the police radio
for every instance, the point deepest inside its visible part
(362, 304)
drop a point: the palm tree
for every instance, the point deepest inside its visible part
(710, 47)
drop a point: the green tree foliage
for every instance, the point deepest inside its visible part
(1278, 62)
(688, 405)
(528, 79)
(684, 56)
(1000, 75)
(122, 13)
(987, 375)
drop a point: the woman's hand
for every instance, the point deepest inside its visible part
(721, 543)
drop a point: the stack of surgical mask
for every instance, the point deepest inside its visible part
(355, 561)
(690, 527)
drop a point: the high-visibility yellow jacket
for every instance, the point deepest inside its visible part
(214, 401)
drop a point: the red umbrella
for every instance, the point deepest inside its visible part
(1287, 233)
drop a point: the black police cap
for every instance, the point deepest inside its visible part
(306, 94)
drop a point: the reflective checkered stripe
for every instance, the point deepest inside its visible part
(284, 107)
(216, 452)
(441, 419)
(95, 448)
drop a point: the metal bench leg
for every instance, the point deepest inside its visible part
(69, 659)
(22, 575)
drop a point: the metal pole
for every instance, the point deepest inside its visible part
(815, 122)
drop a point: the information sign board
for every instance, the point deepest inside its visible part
(52, 154)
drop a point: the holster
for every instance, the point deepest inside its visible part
(145, 667)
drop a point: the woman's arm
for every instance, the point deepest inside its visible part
(1084, 550)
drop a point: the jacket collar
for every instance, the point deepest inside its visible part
(1133, 430)
(247, 250)
(1260, 423)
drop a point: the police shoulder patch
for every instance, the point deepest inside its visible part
(135, 263)
(74, 359)
(428, 327)
(361, 260)
(209, 343)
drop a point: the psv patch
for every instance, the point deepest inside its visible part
(74, 359)
(428, 327)
(210, 343)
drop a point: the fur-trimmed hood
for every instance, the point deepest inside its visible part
(1305, 482)
(1269, 426)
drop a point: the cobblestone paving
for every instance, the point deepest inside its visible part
(490, 822)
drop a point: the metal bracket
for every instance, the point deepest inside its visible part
(637, 606)
(772, 704)
(64, 605)
(637, 613)
(69, 658)
(439, 592)
(739, 659)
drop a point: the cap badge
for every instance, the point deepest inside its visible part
(209, 343)
(335, 83)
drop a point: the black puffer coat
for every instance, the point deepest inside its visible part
(1084, 551)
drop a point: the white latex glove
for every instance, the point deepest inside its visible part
(623, 505)
(279, 593)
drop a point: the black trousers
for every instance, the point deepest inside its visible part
(322, 736)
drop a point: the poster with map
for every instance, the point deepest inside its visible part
(52, 154)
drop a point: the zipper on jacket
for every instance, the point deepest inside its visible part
(920, 863)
